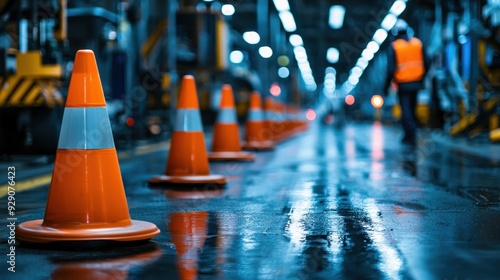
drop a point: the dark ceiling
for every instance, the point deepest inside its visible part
(362, 18)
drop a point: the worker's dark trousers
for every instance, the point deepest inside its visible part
(408, 102)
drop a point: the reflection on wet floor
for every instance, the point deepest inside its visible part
(103, 267)
(349, 203)
(472, 177)
(188, 232)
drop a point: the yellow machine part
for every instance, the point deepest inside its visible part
(242, 102)
(493, 122)
(61, 31)
(396, 112)
(33, 84)
(165, 93)
(153, 39)
(423, 113)
(495, 135)
(165, 86)
(222, 45)
(470, 119)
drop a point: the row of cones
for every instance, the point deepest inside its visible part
(188, 159)
(87, 200)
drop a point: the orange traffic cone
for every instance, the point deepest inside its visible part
(86, 198)
(269, 119)
(226, 140)
(281, 122)
(256, 136)
(188, 232)
(187, 162)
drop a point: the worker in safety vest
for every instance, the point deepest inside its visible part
(406, 66)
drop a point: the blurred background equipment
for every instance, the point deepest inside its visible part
(309, 54)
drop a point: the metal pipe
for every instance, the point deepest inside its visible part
(23, 35)
(474, 16)
(262, 29)
(171, 57)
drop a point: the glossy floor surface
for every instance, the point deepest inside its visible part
(350, 203)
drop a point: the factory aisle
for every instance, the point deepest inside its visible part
(347, 203)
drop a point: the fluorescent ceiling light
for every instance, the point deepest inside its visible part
(306, 71)
(332, 55)
(288, 21)
(347, 87)
(329, 83)
(308, 76)
(227, 9)
(330, 76)
(265, 52)
(303, 64)
(336, 18)
(330, 70)
(356, 71)
(380, 36)
(353, 80)
(300, 53)
(397, 8)
(299, 49)
(281, 5)
(362, 63)
(283, 72)
(367, 54)
(311, 87)
(295, 40)
(302, 59)
(388, 21)
(236, 56)
(328, 94)
(373, 47)
(251, 37)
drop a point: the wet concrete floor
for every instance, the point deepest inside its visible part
(329, 204)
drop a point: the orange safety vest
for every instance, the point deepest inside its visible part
(409, 60)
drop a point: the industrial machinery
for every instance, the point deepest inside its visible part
(142, 47)
(31, 75)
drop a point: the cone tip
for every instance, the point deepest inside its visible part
(188, 77)
(255, 100)
(85, 89)
(85, 62)
(227, 99)
(84, 51)
(188, 98)
(268, 103)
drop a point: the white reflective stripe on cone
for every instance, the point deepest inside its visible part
(188, 120)
(86, 128)
(269, 115)
(226, 116)
(255, 115)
